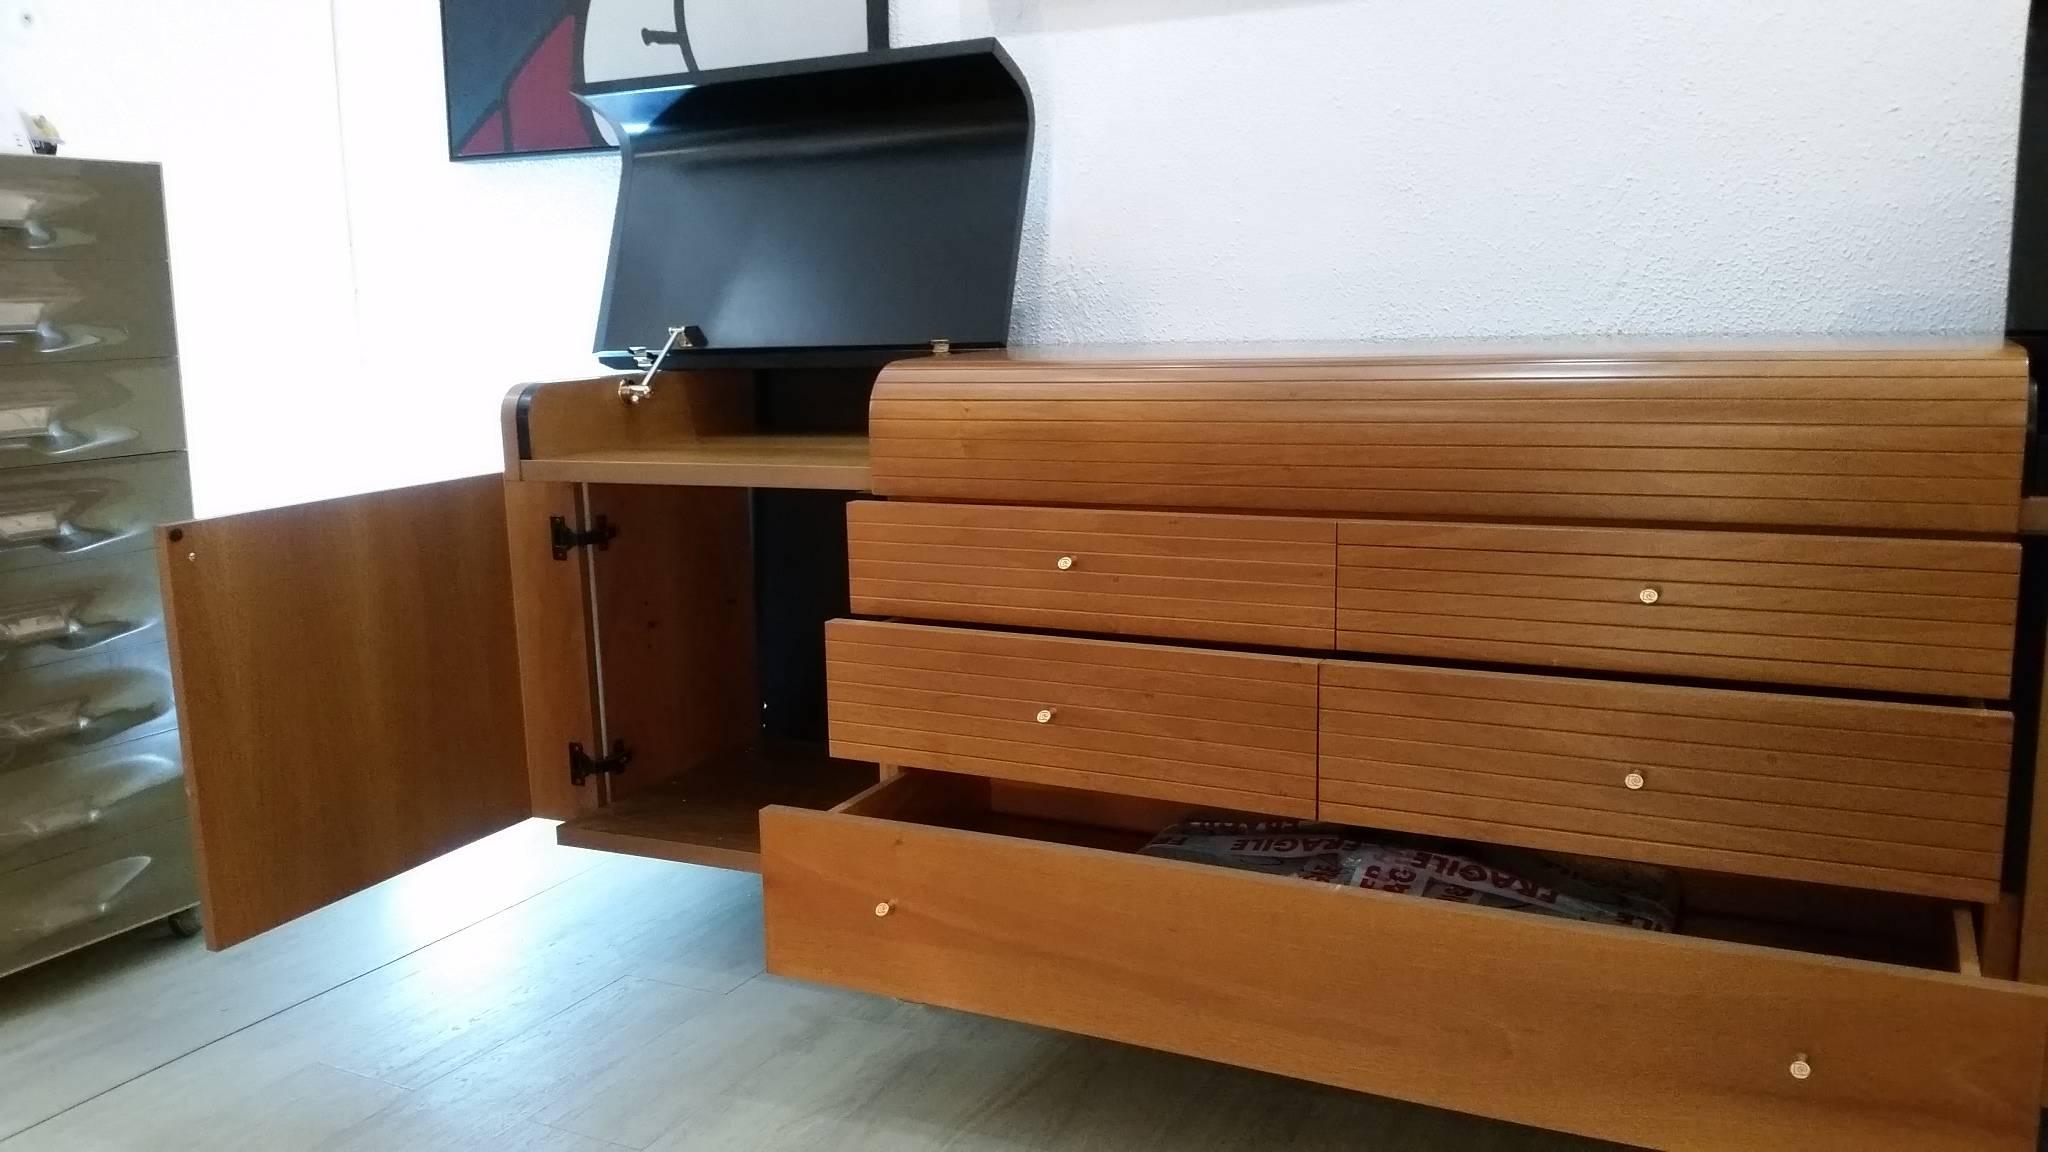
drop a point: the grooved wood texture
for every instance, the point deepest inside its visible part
(1932, 617)
(1229, 729)
(1902, 797)
(1825, 440)
(1667, 1041)
(1233, 579)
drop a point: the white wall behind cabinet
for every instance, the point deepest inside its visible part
(1205, 169)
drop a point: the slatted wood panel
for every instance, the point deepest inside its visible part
(1233, 579)
(1653, 1039)
(1901, 797)
(1229, 729)
(1906, 440)
(1914, 616)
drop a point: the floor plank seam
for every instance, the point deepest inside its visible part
(153, 1069)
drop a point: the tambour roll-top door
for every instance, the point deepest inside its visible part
(1923, 440)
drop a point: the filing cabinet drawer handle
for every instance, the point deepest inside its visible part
(60, 630)
(47, 337)
(35, 235)
(52, 821)
(51, 527)
(88, 808)
(69, 722)
(75, 900)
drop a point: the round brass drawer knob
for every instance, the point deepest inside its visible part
(1800, 1068)
(1066, 562)
(884, 908)
(1633, 781)
(1045, 715)
(1648, 595)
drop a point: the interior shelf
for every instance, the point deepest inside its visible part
(711, 815)
(831, 462)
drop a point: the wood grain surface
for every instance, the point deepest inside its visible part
(1230, 729)
(1622, 1034)
(348, 690)
(1901, 797)
(1918, 441)
(1931, 617)
(557, 696)
(1233, 579)
(675, 613)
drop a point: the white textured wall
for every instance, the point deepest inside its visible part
(1224, 169)
(1206, 169)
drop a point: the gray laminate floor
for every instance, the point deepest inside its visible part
(520, 996)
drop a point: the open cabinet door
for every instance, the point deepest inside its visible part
(348, 689)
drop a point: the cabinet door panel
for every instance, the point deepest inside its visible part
(349, 693)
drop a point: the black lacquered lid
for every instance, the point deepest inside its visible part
(836, 210)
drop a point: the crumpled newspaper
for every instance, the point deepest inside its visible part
(1572, 887)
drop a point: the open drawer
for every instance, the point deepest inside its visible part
(1030, 905)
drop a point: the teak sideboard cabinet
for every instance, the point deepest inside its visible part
(1746, 614)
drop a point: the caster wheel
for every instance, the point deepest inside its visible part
(184, 925)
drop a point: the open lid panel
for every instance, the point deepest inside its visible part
(835, 210)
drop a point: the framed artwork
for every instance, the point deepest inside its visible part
(511, 65)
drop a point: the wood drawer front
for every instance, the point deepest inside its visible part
(1666, 1041)
(61, 311)
(1231, 579)
(1909, 443)
(1902, 797)
(1931, 617)
(1226, 729)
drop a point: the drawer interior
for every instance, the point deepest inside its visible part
(1911, 931)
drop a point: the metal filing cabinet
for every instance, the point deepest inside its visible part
(93, 837)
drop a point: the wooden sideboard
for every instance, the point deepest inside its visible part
(1746, 613)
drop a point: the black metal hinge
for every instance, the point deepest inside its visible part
(582, 766)
(562, 537)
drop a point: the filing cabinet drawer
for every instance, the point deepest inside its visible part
(60, 611)
(53, 413)
(1237, 579)
(1900, 797)
(49, 712)
(63, 806)
(917, 890)
(65, 512)
(52, 208)
(75, 899)
(59, 311)
(1928, 617)
(1227, 729)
